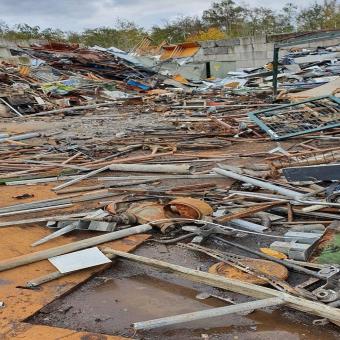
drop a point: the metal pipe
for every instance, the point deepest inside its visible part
(217, 281)
(80, 178)
(208, 313)
(41, 180)
(74, 108)
(42, 219)
(248, 225)
(275, 68)
(21, 137)
(63, 206)
(57, 233)
(286, 192)
(159, 177)
(12, 108)
(179, 169)
(57, 165)
(22, 260)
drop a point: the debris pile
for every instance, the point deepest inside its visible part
(197, 169)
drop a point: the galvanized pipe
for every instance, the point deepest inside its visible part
(208, 313)
(179, 169)
(61, 206)
(76, 180)
(159, 177)
(21, 137)
(22, 260)
(248, 225)
(286, 192)
(12, 108)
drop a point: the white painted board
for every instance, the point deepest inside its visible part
(79, 260)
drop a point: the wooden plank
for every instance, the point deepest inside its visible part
(22, 303)
(247, 212)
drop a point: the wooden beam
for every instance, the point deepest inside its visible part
(245, 288)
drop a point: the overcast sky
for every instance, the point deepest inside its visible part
(76, 15)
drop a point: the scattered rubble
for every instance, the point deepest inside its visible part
(101, 147)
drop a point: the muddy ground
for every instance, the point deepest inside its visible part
(126, 293)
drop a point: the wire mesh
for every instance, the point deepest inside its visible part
(299, 118)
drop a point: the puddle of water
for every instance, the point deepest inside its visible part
(118, 303)
(127, 293)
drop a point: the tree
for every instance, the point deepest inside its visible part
(128, 34)
(311, 18)
(288, 16)
(3, 28)
(331, 11)
(177, 30)
(51, 34)
(225, 16)
(211, 34)
(124, 35)
(259, 21)
(73, 37)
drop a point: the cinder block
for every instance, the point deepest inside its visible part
(270, 55)
(259, 55)
(260, 39)
(228, 42)
(227, 57)
(199, 57)
(246, 56)
(260, 62)
(3, 43)
(5, 53)
(207, 44)
(270, 47)
(245, 63)
(263, 47)
(215, 50)
(246, 40)
(248, 48)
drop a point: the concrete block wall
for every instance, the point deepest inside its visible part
(5, 53)
(248, 51)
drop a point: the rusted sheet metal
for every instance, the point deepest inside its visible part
(147, 211)
(265, 266)
(187, 207)
(23, 303)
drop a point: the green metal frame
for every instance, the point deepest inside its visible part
(274, 136)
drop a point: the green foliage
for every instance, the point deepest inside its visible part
(226, 18)
(177, 30)
(331, 253)
(211, 34)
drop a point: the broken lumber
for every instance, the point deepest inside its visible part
(68, 248)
